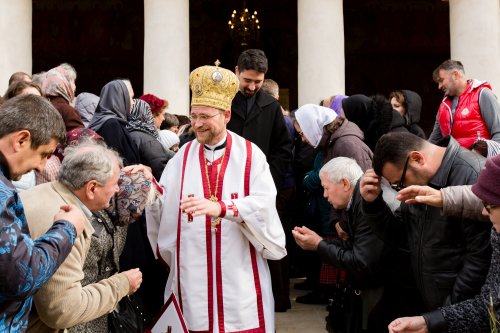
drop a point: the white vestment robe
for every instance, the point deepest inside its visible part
(220, 276)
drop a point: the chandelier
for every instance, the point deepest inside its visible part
(244, 26)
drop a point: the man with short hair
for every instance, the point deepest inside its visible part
(30, 129)
(88, 179)
(218, 240)
(258, 117)
(450, 256)
(469, 109)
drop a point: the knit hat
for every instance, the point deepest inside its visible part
(168, 139)
(154, 102)
(312, 118)
(488, 182)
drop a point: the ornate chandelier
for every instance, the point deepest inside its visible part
(244, 26)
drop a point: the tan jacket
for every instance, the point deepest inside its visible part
(62, 302)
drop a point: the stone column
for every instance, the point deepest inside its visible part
(15, 43)
(321, 65)
(166, 52)
(475, 38)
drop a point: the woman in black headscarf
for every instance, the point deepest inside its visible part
(373, 115)
(110, 119)
(142, 130)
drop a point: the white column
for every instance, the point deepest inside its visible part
(15, 43)
(321, 65)
(475, 38)
(166, 52)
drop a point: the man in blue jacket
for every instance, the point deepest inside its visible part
(30, 129)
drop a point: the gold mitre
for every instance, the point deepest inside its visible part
(213, 86)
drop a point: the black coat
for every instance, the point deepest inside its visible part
(118, 138)
(450, 256)
(265, 127)
(361, 255)
(150, 151)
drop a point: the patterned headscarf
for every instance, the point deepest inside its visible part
(73, 138)
(55, 84)
(141, 118)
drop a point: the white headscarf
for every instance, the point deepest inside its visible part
(312, 118)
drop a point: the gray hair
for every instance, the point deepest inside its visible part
(339, 168)
(34, 114)
(448, 65)
(69, 71)
(87, 161)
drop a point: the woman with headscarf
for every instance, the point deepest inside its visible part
(111, 117)
(144, 134)
(85, 104)
(58, 90)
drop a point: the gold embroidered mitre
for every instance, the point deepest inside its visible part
(213, 86)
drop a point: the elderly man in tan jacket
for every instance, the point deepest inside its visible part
(88, 179)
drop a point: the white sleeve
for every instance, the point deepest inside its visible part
(260, 222)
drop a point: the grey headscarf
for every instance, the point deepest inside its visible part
(114, 104)
(85, 104)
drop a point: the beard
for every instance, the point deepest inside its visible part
(207, 137)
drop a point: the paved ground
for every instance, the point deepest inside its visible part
(301, 317)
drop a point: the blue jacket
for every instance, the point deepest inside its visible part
(25, 264)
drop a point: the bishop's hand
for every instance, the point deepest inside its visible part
(200, 206)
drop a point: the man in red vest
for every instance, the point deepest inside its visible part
(469, 108)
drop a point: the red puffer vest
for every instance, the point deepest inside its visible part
(467, 123)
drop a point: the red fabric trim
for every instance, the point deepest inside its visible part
(158, 187)
(171, 299)
(222, 208)
(255, 268)
(218, 261)
(208, 242)
(179, 225)
(248, 165)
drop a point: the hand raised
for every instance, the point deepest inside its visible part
(370, 187)
(421, 194)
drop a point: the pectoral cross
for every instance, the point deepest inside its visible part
(215, 221)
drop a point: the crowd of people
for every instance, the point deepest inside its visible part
(112, 198)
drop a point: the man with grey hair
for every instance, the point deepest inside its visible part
(361, 255)
(88, 179)
(30, 129)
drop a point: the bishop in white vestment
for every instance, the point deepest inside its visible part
(216, 224)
